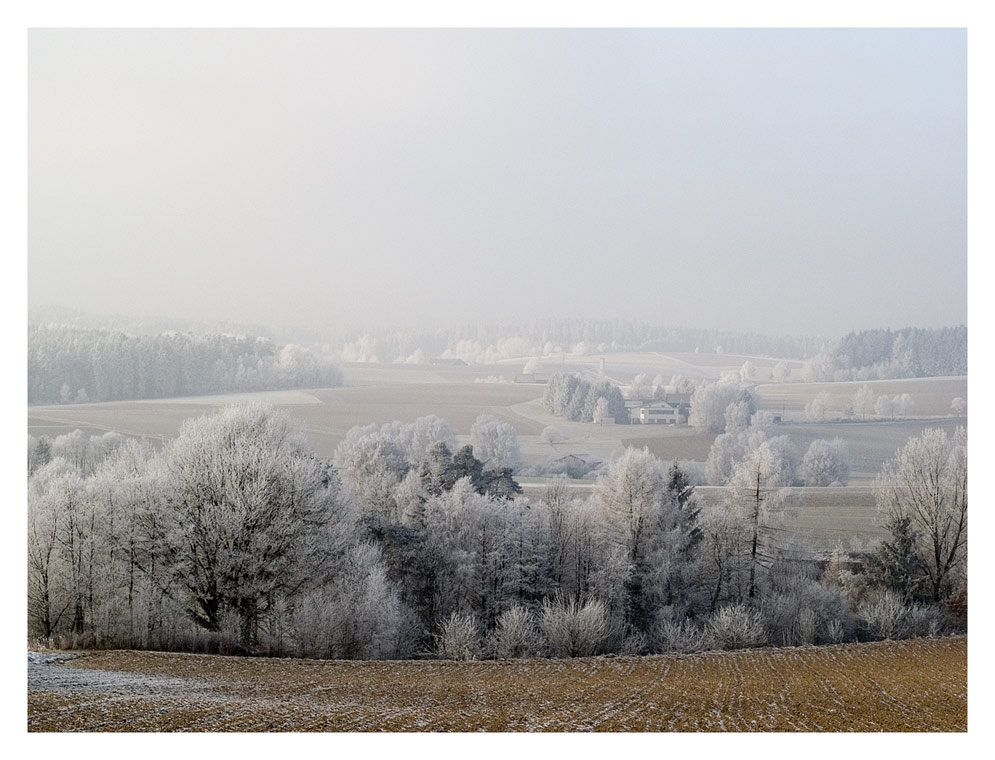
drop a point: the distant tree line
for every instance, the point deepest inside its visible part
(149, 324)
(490, 343)
(235, 537)
(70, 365)
(890, 354)
(580, 400)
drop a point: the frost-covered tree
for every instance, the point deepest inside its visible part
(641, 387)
(417, 438)
(958, 407)
(885, 406)
(710, 402)
(52, 496)
(601, 413)
(926, 483)
(815, 410)
(904, 405)
(576, 399)
(39, 452)
(438, 473)
(357, 614)
(251, 516)
(681, 384)
(495, 443)
(728, 449)
(781, 372)
(826, 463)
(738, 415)
(371, 465)
(651, 529)
(758, 482)
(631, 494)
(725, 451)
(551, 435)
(863, 401)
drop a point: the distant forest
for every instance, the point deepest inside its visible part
(888, 354)
(76, 365)
(863, 355)
(473, 343)
(76, 357)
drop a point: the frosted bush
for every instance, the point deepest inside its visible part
(882, 615)
(515, 635)
(737, 627)
(572, 629)
(458, 638)
(683, 636)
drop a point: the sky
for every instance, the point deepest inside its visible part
(768, 180)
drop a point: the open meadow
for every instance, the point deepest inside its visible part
(914, 685)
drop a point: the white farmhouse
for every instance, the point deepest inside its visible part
(659, 412)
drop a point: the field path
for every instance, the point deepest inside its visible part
(908, 686)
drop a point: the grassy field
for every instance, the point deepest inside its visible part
(918, 685)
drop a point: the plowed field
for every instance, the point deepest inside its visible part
(918, 685)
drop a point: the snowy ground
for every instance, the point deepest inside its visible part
(47, 672)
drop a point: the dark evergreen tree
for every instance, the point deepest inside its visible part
(681, 489)
(438, 473)
(499, 482)
(896, 564)
(466, 465)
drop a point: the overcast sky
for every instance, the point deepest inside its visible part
(778, 181)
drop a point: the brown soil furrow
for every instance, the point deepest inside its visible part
(916, 685)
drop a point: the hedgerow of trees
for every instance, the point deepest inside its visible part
(235, 537)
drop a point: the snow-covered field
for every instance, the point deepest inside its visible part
(918, 685)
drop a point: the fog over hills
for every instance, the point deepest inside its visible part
(757, 181)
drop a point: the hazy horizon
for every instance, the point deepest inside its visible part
(770, 181)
